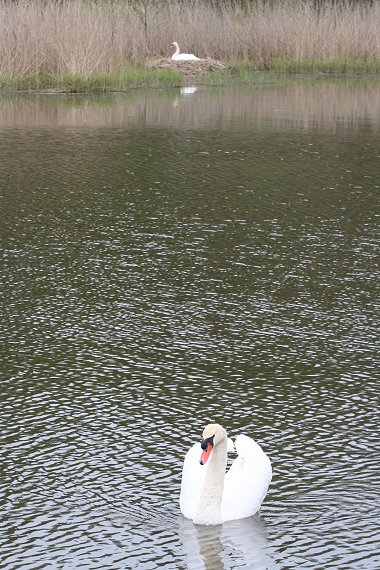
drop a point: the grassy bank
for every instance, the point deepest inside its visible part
(137, 75)
(80, 44)
(289, 66)
(134, 75)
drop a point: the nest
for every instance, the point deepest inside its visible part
(189, 67)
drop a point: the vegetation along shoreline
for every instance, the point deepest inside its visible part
(84, 45)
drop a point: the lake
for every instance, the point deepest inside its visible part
(174, 257)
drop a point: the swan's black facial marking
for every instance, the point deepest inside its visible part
(206, 441)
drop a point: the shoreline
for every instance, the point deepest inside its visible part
(143, 75)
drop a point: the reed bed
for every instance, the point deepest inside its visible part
(80, 38)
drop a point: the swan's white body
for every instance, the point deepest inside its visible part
(182, 56)
(209, 495)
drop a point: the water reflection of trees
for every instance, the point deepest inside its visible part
(321, 104)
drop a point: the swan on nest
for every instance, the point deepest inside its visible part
(209, 495)
(182, 56)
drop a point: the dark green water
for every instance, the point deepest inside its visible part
(170, 259)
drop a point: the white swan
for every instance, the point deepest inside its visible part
(182, 56)
(209, 495)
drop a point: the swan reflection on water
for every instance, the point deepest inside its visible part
(241, 543)
(188, 90)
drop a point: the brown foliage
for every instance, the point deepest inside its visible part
(85, 37)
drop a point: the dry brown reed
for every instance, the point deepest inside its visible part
(81, 37)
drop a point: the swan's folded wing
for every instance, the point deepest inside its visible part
(247, 481)
(193, 474)
(230, 446)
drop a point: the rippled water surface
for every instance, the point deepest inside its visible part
(171, 258)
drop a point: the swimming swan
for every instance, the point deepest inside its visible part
(182, 56)
(209, 495)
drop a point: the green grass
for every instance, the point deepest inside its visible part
(132, 77)
(243, 70)
(325, 66)
(141, 77)
(137, 75)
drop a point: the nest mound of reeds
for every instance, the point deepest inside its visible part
(189, 67)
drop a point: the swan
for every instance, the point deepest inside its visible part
(182, 56)
(211, 496)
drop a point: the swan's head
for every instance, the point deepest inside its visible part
(213, 434)
(175, 44)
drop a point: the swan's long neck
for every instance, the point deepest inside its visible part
(176, 48)
(209, 507)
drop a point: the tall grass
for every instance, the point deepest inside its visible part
(82, 38)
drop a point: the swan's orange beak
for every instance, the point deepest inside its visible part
(206, 454)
